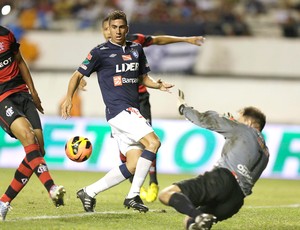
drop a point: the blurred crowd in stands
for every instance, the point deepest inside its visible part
(217, 17)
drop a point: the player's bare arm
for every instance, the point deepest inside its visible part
(28, 80)
(155, 84)
(166, 39)
(72, 87)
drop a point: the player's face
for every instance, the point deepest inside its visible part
(105, 30)
(118, 30)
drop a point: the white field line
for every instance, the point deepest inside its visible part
(79, 215)
(127, 213)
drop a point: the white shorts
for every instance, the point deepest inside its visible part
(128, 127)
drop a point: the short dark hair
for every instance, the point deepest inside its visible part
(117, 14)
(256, 115)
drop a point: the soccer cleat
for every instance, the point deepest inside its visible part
(87, 201)
(57, 193)
(203, 222)
(136, 203)
(152, 192)
(143, 193)
(4, 207)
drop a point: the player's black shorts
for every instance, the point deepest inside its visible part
(216, 192)
(145, 107)
(18, 105)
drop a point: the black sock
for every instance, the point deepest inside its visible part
(182, 204)
(153, 173)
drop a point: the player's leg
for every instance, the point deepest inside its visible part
(110, 179)
(23, 131)
(123, 160)
(113, 177)
(22, 174)
(21, 177)
(149, 195)
(185, 196)
(143, 190)
(56, 191)
(15, 124)
(151, 144)
(153, 189)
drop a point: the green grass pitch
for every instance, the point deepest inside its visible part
(274, 204)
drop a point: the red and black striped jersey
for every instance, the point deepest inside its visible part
(11, 80)
(145, 41)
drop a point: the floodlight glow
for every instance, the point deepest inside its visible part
(5, 10)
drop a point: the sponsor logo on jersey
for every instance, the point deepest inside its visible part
(135, 53)
(130, 80)
(104, 48)
(82, 66)
(9, 112)
(126, 57)
(124, 67)
(86, 62)
(112, 55)
(6, 62)
(117, 80)
(242, 169)
(2, 46)
(89, 56)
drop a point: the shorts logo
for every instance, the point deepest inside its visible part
(9, 112)
(117, 80)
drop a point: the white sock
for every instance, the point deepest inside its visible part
(141, 171)
(112, 178)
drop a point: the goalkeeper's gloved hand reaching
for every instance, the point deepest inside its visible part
(181, 102)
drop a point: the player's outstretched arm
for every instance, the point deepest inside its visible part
(72, 87)
(159, 84)
(26, 75)
(166, 39)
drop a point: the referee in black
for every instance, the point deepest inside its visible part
(219, 194)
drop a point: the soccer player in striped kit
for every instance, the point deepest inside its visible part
(218, 194)
(120, 66)
(151, 193)
(19, 118)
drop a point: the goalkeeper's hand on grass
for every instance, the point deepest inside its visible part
(181, 102)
